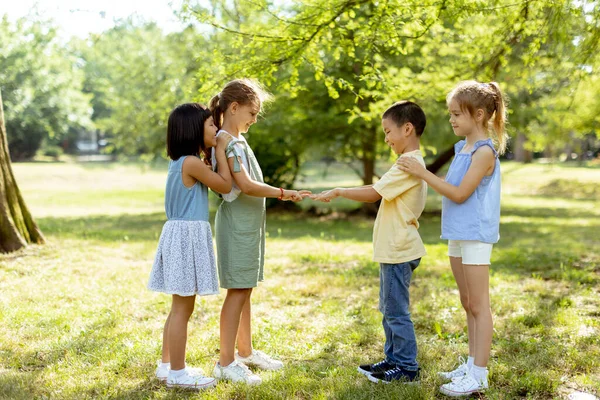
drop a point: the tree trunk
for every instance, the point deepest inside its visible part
(442, 159)
(521, 154)
(17, 227)
(369, 151)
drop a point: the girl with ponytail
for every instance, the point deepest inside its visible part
(240, 231)
(471, 217)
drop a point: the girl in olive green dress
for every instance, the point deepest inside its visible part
(240, 231)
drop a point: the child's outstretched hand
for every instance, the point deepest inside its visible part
(412, 166)
(326, 196)
(295, 195)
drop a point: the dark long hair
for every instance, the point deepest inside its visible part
(185, 131)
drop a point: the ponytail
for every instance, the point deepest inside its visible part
(216, 110)
(499, 123)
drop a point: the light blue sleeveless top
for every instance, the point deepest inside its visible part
(183, 203)
(478, 218)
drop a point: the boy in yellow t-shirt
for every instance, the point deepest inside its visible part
(397, 245)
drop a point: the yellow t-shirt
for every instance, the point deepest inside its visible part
(395, 236)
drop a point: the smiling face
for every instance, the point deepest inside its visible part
(462, 122)
(244, 116)
(210, 133)
(396, 136)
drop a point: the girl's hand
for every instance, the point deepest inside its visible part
(223, 140)
(326, 196)
(412, 166)
(294, 195)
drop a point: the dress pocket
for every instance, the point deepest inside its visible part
(246, 248)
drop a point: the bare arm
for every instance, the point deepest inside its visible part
(220, 181)
(258, 189)
(482, 163)
(365, 194)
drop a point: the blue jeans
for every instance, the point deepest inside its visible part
(400, 341)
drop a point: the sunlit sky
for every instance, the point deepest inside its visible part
(80, 17)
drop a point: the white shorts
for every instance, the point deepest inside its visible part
(472, 252)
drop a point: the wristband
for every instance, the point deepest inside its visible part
(280, 197)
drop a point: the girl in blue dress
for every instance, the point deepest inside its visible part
(471, 217)
(185, 263)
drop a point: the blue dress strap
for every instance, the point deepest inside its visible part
(486, 142)
(458, 146)
(177, 165)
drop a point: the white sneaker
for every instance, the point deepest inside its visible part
(190, 380)
(464, 386)
(161, 373)
(458, 372)
(236, 372)
(260, 360)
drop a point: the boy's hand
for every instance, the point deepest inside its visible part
(412, 166)
(326, 196)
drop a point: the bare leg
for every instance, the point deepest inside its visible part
(181, 310)
(244, 335)
(230, 322)
(165, 344)
(461, 282)
(478, 283)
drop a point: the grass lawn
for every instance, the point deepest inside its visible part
(77, 322)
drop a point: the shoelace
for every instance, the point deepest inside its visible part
(263, 355)
(380, 364)
(391, 372)
(465, 381)
(245, 369)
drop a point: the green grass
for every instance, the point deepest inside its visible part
(77, 322)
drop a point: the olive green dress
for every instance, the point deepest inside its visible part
(240, 231)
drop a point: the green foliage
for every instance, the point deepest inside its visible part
(41, 87)
(366, 55)
(136, 75)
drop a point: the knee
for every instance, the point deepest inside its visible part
(464, 300)
(181, 311)
(477, 308)
(238, 292)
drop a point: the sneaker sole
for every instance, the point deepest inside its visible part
(405, 382)
(362, 371)
(258, 366)
(192, 387)
(220, 378)
(452, 393)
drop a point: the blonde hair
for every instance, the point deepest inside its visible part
(472, 96)
(242, 91)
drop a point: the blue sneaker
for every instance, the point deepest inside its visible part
(397, 374)
(381, 366)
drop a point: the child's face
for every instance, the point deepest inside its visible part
(396, 136)
(462, 122)
(245, 116)
(210, 133)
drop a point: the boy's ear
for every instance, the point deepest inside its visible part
(408, 128)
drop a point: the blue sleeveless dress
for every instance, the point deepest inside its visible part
(185, 260)
(478, 218)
